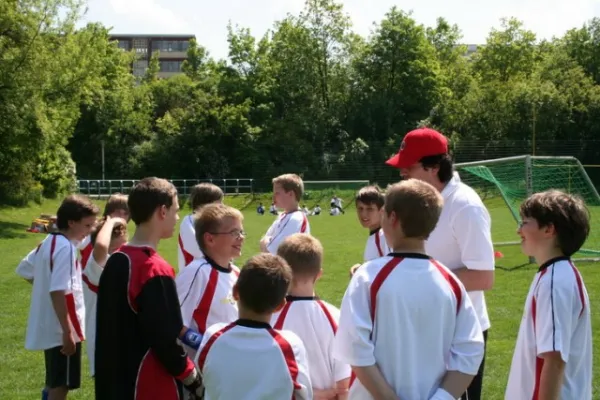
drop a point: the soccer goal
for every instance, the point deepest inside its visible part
(504, 183)
(321, 192)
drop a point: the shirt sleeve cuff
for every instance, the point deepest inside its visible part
(189, 368)
(441, 394)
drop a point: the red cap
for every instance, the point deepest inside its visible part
(417, 144)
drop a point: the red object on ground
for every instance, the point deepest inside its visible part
(498, 254)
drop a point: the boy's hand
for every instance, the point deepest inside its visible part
(68, 348)
(353, 269)
(115, 220)
(324, 394)
(263, 244)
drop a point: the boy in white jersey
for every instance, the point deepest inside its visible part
(248, 359)
(407, 326)
(553, 354)
(108, 235)
(288, 189)
(56, 322)
(187, 247)
(312, 319)
(205, 286)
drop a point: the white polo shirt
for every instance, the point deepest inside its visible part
(285, 225)
(411, 316)
(556, 318)
(463, 238)
(187, 246)
(249, 360)
(376, 245)
(53, 266)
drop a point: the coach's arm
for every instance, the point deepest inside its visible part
(473, 233)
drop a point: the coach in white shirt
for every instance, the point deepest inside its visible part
(462, 239)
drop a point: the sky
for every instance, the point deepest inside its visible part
(208, 19)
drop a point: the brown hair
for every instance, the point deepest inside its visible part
(147, 195)
(303, 253)
(74, 207)
(371, 194)
(119, 230)
(116, 201)
(567, 213)
(417, 206)
(205, 193)
(263, 283)
(290, 183)
(211, 217)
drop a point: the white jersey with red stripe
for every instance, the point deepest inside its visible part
(285, 225)
(91, 279)
(85, 248)
(556, 318)
(315, 322)
(187, 247)
(53, 266)
(248, 360)
(376, 245)
(205, 295)
(412, 317)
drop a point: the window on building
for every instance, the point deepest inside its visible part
(140, 46)
(167, 46)
(124, 44)
(140, 67)
(170, 66)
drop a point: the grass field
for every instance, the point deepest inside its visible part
(22, 371)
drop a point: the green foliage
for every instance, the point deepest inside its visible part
(310, 96)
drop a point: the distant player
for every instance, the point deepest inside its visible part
(200, 195)
(56, 322)
(553, 354)
(138, 315)
(287, 192)
(248, 359)
(205, 286)
(108, 235)
(336, 203)
(407, 326)
(315, 321)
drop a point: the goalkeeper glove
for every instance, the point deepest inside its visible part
(193, 383)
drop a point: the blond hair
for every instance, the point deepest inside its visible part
(290, 183)
(304, 254)
(211, 217)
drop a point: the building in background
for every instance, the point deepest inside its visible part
(172, 51)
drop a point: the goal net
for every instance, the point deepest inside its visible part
(504, 183)
(321, 192)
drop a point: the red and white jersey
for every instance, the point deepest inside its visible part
(248, 360)
(187, 247)
(315, 322)
(412, 316)
(376, 245)
(556, 318)
(91, 279)
(85, 250)
(205, 295)
(53, 266)
(285, 225)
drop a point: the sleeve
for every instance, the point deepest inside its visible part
(84, 242)
(93, 271)
(25, 267)
(472, 230)
(304, 391)
(341, 370)
(293, 225)
(190, 283)
(62, 268)
(210, 331)
(554, 316)
(160, 320)
(352, 344)
(467, 348)
(188, 237)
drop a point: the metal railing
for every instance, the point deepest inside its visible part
(105, 187)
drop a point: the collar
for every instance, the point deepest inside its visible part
(250, 323)
(410, 255)
(451, 186)
(217, 266)
(290, 298)
(374, 231)
(553, 261)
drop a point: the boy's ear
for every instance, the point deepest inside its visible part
(280, 306)
(235, 293)
(319, 275)
(549, 230)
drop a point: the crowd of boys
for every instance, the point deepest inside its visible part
(406, 329)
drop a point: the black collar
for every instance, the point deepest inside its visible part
(290, 298)
(410, 255)
(250, 323)
(552, 261)
(374, 231)
(217, 266)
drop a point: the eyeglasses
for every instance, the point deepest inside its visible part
(236, 234)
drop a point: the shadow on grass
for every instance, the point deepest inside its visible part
(12, 230)
(517, 267)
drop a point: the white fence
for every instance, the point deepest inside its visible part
(103, 188)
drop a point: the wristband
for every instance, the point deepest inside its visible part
(441, 394)
(191, 338)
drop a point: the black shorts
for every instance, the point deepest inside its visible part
(61, 370)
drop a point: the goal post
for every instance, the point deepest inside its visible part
(504, 183)
(323, 191)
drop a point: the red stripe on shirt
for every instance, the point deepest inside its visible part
(378, 244)
(328, 315)
(304, 223)
(288, 354)
(282, 315)
(452, 281)
(187, 257)
(579, 287)
(200, 314)
(378, 281)
(89, 284)
(86, 252)
(73, 315)
(209, 343)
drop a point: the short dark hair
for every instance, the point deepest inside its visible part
(417, 206)
(116, 201)
(443, 162)
(75, 207)
(147, 195)
(263, 283)
(205, 193)
(567, 213)
(371, 194)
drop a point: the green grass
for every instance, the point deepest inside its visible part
(22, 371)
